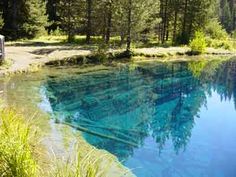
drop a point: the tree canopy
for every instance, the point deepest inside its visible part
(174, 21)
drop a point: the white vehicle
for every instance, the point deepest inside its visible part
(2, 48)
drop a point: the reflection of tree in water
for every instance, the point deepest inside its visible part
(126, 106)
(178, 104)
(111, 104)
(220, 76)
(226, 80)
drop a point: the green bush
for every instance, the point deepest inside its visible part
(233, 34)
(224, 44)
(214, 30)
(57, 32)
(100, 54)
(198, 44)
(6, 64)
(217, 37)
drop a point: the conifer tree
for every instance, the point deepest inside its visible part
(226, 16)
(23, 18)
(35, 19)
(70, 16)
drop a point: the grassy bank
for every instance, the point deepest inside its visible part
(18, 153)
(21, 153)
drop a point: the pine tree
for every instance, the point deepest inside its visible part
(35, 19)
(70, 16)
(226, 16)
(136, 16)
(23, 18)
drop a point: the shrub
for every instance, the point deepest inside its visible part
(215, 31)
(198, 44)
(57, 32)
(233, 34)
(100, 54)
(124, 55)
(225, 44)
(5, 64)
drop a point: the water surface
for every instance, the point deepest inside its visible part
(160, 119)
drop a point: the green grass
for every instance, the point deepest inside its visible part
(21, 153)
(17, 146)
(6, 64)
(81, 166)
(62, 40)
(96, 41)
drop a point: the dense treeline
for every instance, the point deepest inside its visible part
(228, 14)
(173, 21)
(22, 18)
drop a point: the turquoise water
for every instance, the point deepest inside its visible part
(160, 120)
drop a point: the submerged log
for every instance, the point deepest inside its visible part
(133, 144)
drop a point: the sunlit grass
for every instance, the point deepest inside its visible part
(21, 153)
(84, 165)
(79, 39)
(17, 144)
(7, 63)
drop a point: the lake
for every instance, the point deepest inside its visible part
(173, 119)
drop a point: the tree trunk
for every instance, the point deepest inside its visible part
(89, 21)
(175, 27)
(109, 22)
(165, 22)
(160, 25)
(234, 16)
(129, 25)
(104, 26)
(184, 21)
(71, 34)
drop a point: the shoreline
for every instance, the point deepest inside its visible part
(26, 59)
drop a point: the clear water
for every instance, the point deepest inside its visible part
(160, 119)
